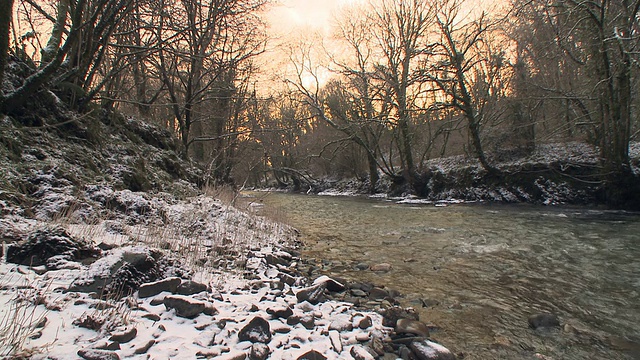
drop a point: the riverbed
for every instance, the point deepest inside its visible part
(476, 272)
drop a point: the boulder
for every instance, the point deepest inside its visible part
(330, 284)
(543, 320)
(189, 287)
(256, 331)
(185, 306)
(46, 243)
(313, 294)
(154, 288)
(120, 272)
(413, 327)
(428, 350)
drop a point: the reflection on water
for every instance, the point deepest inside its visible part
(483, 269)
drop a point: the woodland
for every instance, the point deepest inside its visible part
(391, 85)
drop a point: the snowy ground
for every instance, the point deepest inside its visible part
(229, 252)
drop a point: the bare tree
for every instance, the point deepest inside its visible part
(400, 29)
(469, 70)
(6, 9)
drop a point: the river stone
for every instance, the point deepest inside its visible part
(428, 350)
(330, 284)
(409, 326)
(383, 267)
(154, 288)
(390, 316)
(125, 336)
(361, 353)
(544, 320)
(378, 293)
(259, 351)
(358, 293)
(336, 342)
(283, 312)
(313, 294)
(365, 322)
(312, 355)
(191, 287)
(257, 330)
(185, 306)
(95, 354)
(144, 348)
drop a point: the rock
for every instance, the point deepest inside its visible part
(108, 345)
(544, 320)
(185, 306)
(378, 293)
(278, 260)
(313, 294)
(46, 243)
(341, 323)
(330, 284)
(191, 287)
(158, 300)
(283, 312)
(365, 322)
(336, 342)
(377, 346)
(257, 330)
(362, 266)
(96, 354)
(121, 272)
(308, 321)
(383, 267)
(124, 336)
(210, 310)
(393, 314)
(144, 348)
(428, 350)
(358, 292)
(154, 288)
(259, 351)
(410, 326)
(361, 353)
(152, 317)
(312, 355)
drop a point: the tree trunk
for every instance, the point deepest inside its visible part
(49, 52)
(6, 9)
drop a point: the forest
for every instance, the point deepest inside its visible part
(391, 85)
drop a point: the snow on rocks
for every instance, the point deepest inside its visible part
(140, 299)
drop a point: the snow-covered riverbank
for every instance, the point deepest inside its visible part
(165, 278)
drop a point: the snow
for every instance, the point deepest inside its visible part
(191, 227)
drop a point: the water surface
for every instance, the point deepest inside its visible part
(483, 269)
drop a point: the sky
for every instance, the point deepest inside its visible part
(315, 15)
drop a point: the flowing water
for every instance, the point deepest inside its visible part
(478, 271)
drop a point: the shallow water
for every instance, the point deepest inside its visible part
(483, 269)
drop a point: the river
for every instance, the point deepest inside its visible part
(483, 269)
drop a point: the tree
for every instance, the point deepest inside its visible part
(469, 70)
(6, 9)
(202, 47)
(400, 30)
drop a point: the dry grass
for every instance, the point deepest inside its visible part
(20, 315)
